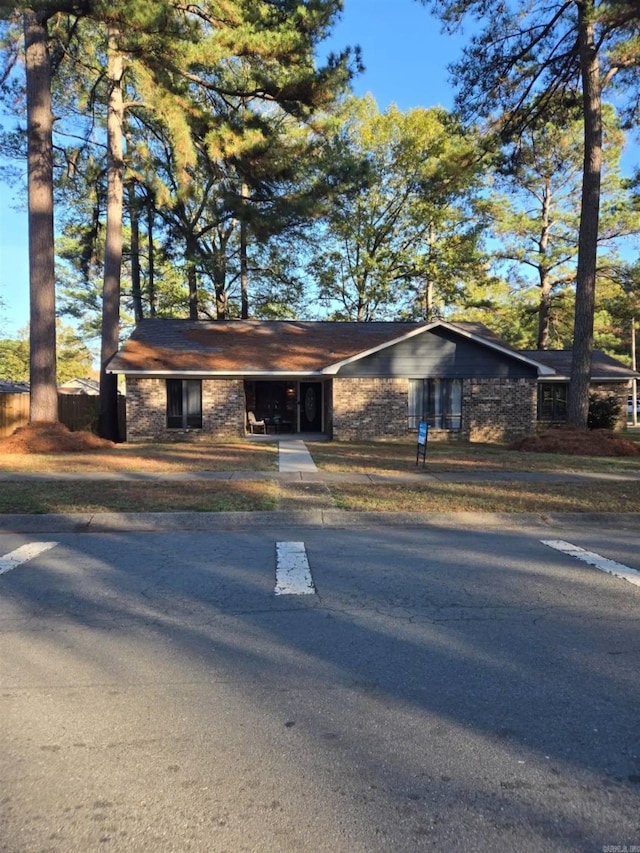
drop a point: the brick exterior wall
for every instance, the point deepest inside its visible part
(619, 390)
(370, 408)
(498, 409)
(492, 410)
(223, 410)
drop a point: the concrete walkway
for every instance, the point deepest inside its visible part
(293, 457)
(297, 471)
(298, 483)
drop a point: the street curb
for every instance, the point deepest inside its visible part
(161, 522)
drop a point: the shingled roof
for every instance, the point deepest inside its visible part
(244, 346)
(261, 347)
(603, 366)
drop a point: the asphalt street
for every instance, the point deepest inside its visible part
(444, 685)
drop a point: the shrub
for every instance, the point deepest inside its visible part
(604, 412)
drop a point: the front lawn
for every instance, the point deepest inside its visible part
(148, 458)
(91, 496)
(488, 497)
(400, 457)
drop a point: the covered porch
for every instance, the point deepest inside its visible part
(289, 406)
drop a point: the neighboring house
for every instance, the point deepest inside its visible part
(7, 386)
(346, 380)
(80, 386)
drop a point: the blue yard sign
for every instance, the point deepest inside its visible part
(423, 432)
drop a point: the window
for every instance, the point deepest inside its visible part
(552, 401)
(436, 401)
(184, 403)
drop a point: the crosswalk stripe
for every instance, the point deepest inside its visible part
(593, 559)
(293, 575)
(23, 554)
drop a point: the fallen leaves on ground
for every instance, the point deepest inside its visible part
(51, 437)
(578, 442)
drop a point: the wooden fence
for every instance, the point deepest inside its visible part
(14, 412)
(75, 411)
(78, 411)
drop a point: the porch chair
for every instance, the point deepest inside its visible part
(255, 425)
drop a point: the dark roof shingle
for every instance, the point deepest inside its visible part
(602, 365)
(249, 345)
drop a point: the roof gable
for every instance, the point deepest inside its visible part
(253, 347)
(291, 347)
(476, 332)
(246, 346)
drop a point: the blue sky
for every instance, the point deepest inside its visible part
(404, 53)
(405, 57)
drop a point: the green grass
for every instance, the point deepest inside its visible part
(489, 497)
(91, 497)
(87, 496)
(392, 457)
(400, 457)
(148, 457)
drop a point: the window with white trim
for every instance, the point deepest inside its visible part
(184, 403)
(436, 401)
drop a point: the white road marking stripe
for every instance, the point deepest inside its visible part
(23, 554)
(602, 563)
(293, 575)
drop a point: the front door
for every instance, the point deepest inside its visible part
(311, 407)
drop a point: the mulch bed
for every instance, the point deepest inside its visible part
(45, 437)
(575, 442)
(56, 438)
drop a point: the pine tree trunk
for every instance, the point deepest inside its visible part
(634, 382)
(428, 287)
(220, 274)
(244, 265)
(42, 329)
(221, 303)
(151, 279)
(108, 418)
(428, 300)
(191, 252)
(134, 219)
(578, 403)
(192, 279)
(544, 308)
(544, 313)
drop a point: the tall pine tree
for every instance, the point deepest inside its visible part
(522, 57)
